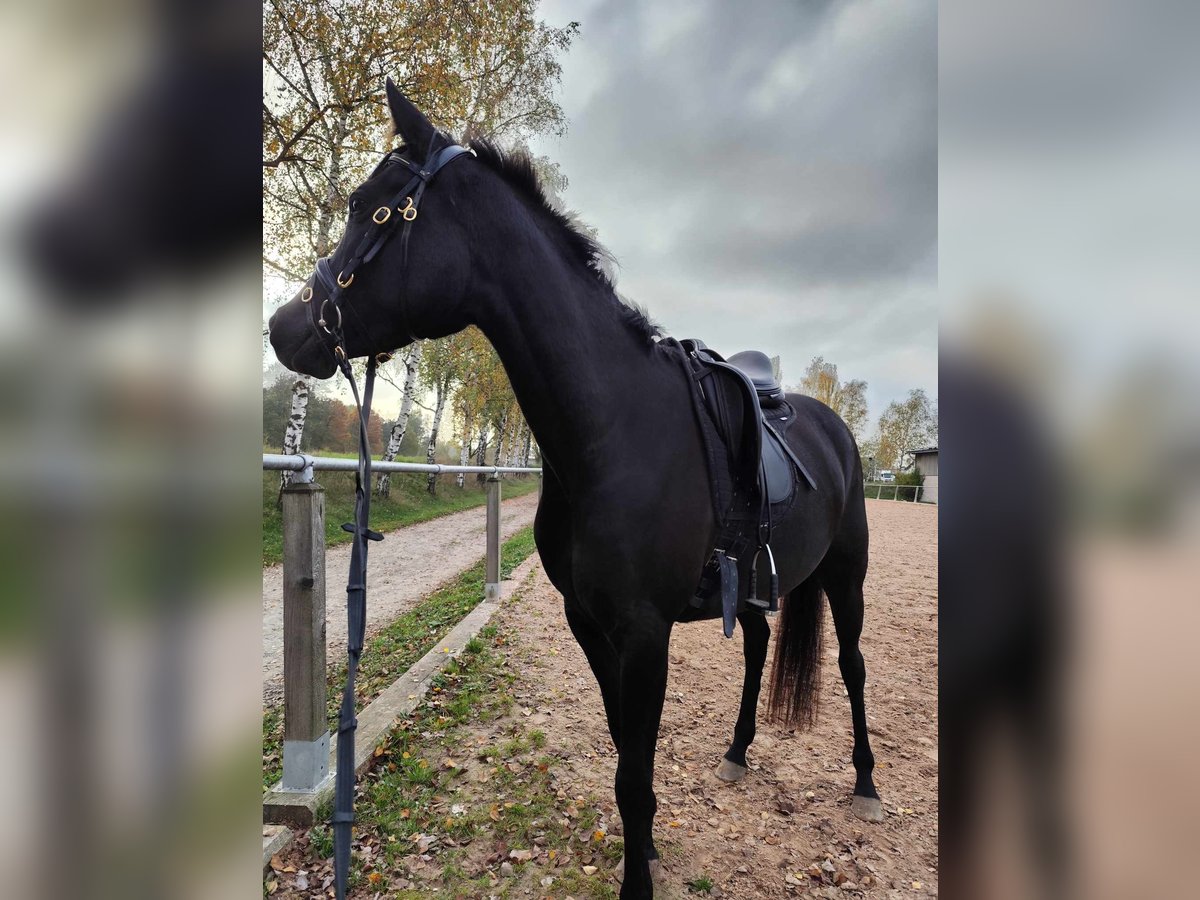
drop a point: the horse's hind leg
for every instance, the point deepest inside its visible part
(842, 578)
(755, 635)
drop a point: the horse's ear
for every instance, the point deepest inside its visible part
(409, 123)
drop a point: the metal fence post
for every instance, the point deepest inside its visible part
(492, 590)
(305, 728)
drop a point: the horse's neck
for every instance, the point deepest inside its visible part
(584, 379)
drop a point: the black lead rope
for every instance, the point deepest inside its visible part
(356, 618)
(356, 589)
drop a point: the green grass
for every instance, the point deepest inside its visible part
(701, 884)
(433, 785)
(408, 503)
(395, 648)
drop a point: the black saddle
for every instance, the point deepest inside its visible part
(742, 410)
(757, 367)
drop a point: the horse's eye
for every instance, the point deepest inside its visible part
(354, 205)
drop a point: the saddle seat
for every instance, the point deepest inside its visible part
(756, 366)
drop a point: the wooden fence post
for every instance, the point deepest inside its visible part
(492, 589)
(305, 723)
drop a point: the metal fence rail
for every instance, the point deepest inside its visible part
(301, 462)
(306, 743)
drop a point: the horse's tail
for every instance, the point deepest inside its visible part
(796, 673)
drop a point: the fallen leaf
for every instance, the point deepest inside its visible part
(520, 855)
(374, 878)
(589, 870)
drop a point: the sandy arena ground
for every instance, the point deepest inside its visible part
(786, 829)
(792, 811)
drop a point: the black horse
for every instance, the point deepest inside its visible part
(625, 524)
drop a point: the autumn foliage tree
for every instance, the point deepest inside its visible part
(479, 67)
(905, 425)
(489, 67)
(847, 399)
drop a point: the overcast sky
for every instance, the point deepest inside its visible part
(765, 174)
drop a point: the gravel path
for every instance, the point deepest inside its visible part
(408, 564)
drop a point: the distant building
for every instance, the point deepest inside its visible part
(925, 460)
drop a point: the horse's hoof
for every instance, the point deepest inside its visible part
(869, 809)
(655, 870)
(730, 771)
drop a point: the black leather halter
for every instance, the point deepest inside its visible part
(404, 206)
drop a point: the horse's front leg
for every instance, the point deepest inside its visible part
(755, 635)
(642, 649)
(604, 662)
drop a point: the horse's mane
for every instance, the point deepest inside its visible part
(516, 168)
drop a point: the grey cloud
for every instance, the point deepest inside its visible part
(766, 173)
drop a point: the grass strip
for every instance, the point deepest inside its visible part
(467, 785)
(394, 649)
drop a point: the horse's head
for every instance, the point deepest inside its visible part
(400, 270)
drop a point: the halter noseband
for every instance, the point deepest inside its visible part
(403, 205)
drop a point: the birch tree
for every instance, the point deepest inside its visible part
(526, 446)
(411, 362)
(442, 366)
(294, 431)
(466, 411)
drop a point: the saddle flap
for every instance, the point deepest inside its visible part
(777, 468)
(733, 403)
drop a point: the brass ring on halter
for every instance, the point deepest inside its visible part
(386, 212)
(337, 309)
(408, 210)
(345, 284)
(381, 358)
(339, 352)
(306, 295)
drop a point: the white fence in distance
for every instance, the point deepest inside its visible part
(889, 490)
